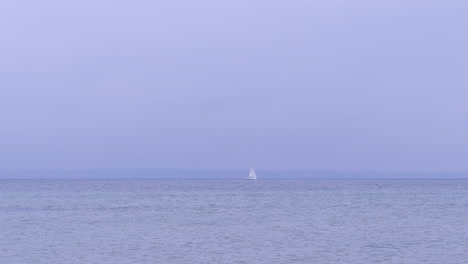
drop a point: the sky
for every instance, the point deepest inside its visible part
(282, 85)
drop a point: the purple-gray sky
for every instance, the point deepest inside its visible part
(305, 84)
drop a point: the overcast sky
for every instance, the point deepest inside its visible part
(297, 84)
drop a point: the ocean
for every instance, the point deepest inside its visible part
(234, 221)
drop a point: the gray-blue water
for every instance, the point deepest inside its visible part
(233, 221)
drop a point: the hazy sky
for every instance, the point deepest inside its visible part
(297, 84)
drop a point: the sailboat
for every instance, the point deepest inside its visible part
(252, 175)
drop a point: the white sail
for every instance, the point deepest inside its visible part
(252, 175)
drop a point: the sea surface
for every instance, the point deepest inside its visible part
(234, 221)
